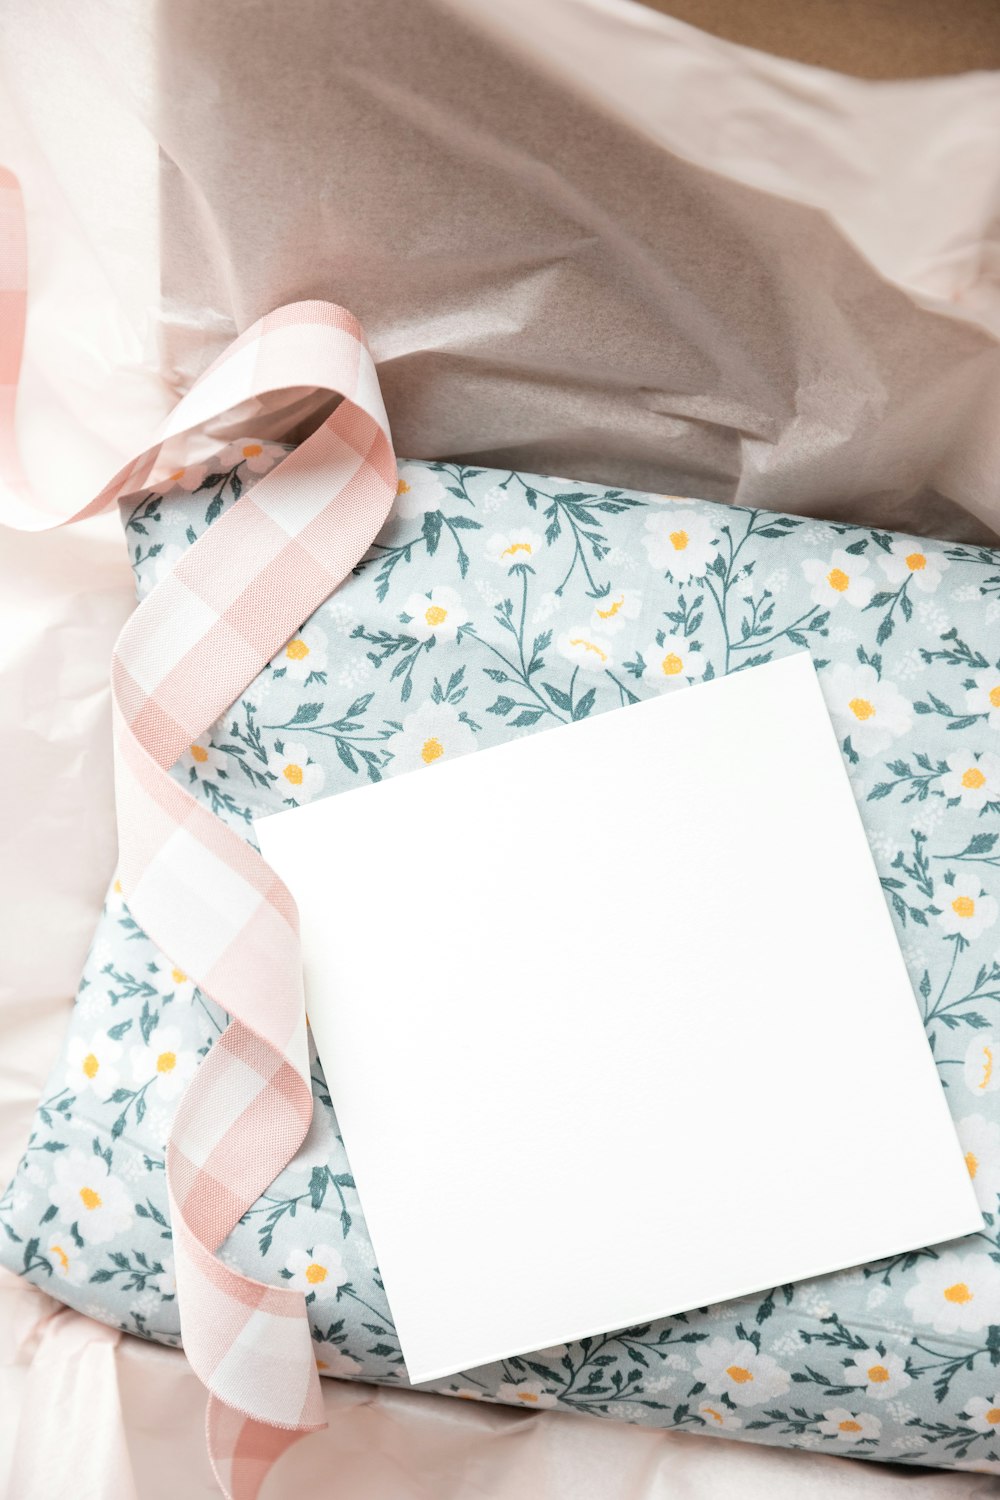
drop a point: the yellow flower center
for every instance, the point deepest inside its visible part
(89, 1198)
(293, 774)
(679, 540)
(118, 887)
(315, 1273)
(166, 1062)
(972, 1162)
(994, 696)
(710, 1411)
(609, 614)
(916, 561)
(862, 708)
(878, 1374)
(850, 1426)
(199, 753)
(90, 1065)
(671, 664)
(963, 906)
(589, 646)
(435, 615)
(178, 976)
(297, 650)
(973, 779)
(252, 450)
(838, 579)
(958, 1293)
(527, 1396)
(993, 1415)
(516, 547)
(739, 1374)
(177, 474)
(987, 1067)
(321, 1364)
(431, 750)
(58, 1251)
(402, 488)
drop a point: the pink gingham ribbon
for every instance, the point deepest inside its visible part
(204, 896)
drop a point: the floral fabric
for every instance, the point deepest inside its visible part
(496, 604)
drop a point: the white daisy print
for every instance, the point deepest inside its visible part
(870, 712)
(672, 663)
(255, 457)
(303, 655)
(681, 541)
(164, 1063)
(527, 1393)
(981, 1069)
(733, 1367)
(92, 1064)
(187, 478)
(508, 548)
(983, 1413)
(66, 1260)
(840, 577)
(298, 776)
(718, 1417)
(882, 1375)
(967, 908)
(87, 1195)
(430, 734)
(418, 491)
(335, 1362)
(612, 613)
(980, 1140)
(906, 559)
(974, 780)
(176, 982)
(849, 1426)
(315, 1270)
(438, 614)
(585, 648)
(956, 1293)
(984, 696)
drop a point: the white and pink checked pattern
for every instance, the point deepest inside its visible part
(204, 896)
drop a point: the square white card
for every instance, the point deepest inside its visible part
(615, 1022)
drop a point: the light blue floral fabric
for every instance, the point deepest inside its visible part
(499, 604)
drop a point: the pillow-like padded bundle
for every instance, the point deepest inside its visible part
(498, 604)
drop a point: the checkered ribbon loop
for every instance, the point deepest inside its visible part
(204, 896)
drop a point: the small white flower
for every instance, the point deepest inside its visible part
(298, 776)
(734, 1368)
(776, 581)
(548, 605)
(984, 696)
(672, 663)
(718, 1417)
(967, 593)
(871, 712)
(681, 541)
(204, 759)
(303, 655)
(882, 1375)
(849, 1426)
(956, 1293)
(982, 1064)
(585, 648)
(164, 1063)
(509, 548)
(432, 733)
(983, 1413)
(530, 1394)
(256, 457)
(906, 559)
(980, 1140)
(87, 1195)
(932, 616)
(187, 478)
(146, 1303)
(176, 982)
(92, 1064)
(967, 908)
(334, 1362)
(613, 611)
(316, 1270)
(494, 498)
(466, 1393)
(438, 614)
(65, 1259)
(840, 577)
(419, 490)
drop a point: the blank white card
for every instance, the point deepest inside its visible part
(615, 1022)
